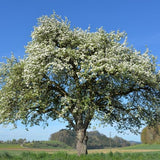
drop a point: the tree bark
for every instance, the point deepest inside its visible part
(82, 139)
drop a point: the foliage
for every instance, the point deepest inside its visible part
(14, 141)
(79, 75)
(119, 142)
(96, 140)
(151, 135)
(66, 136)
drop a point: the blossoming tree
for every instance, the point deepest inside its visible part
(79, 75)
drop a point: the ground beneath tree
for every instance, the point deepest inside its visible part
(74, 151)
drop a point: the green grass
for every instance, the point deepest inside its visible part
(4, 145)
(144, 146)
(14, 152)
(65, 156)
(38, 145)
(47, 145)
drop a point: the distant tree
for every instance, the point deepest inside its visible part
(21, 141)
(79, 76)
(97, 140)
(14, 141)
(151, 135)
(66, 136)
(120, 142)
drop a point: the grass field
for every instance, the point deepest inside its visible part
(66, 156)
(144, 146)
(137, 152)
(9, 146)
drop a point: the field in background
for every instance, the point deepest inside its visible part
(9, 146)
(137, 152)
(98, 154)
(131, 149)
(144, 146)
(17, 149)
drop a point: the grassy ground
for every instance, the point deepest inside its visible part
(137, 152)
(131, 149)
(66, 156)
(136, 148)
(144, 146)
(4, 145)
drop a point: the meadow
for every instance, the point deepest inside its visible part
(137, 152)
(66, 156)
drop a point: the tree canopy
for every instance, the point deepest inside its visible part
(79, 75)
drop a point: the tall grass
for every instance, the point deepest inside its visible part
(65, 156)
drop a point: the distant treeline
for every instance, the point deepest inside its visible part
(67, 139)
(14, 141)
(96, 140)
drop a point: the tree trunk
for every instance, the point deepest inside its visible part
(81, 142)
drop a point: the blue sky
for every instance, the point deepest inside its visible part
(139, 18)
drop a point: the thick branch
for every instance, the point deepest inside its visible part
(130, 90)
(57, 87)
(70, 121)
